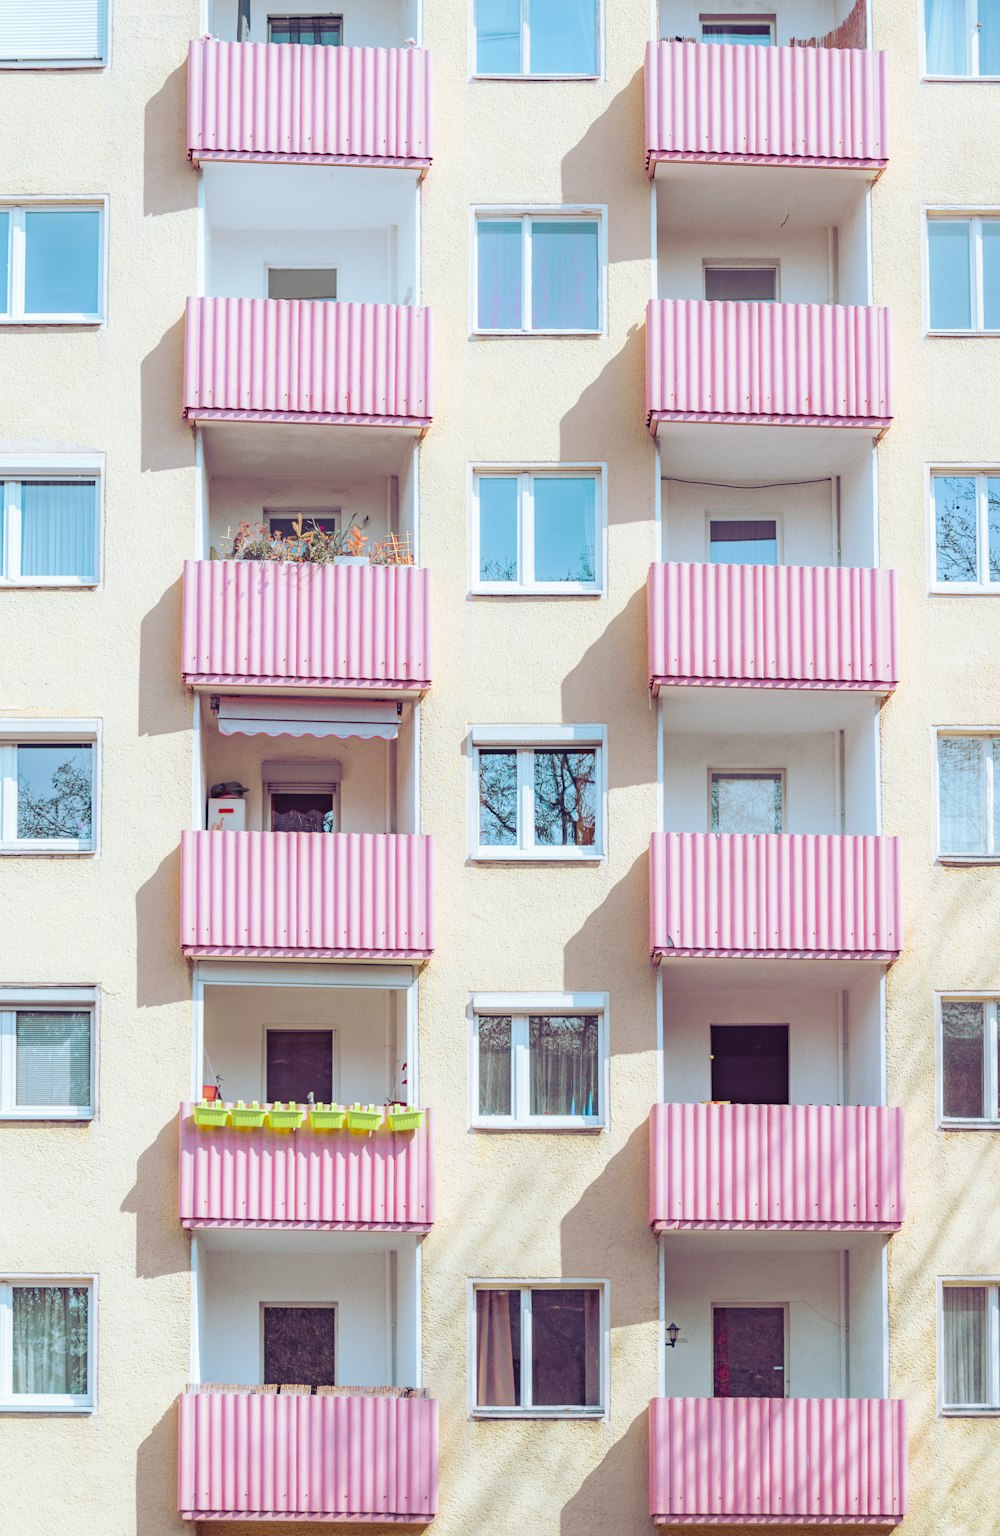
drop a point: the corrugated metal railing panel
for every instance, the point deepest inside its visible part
(791, 894)
(305, 360)
(791, 1461)
(722, 101)
(772, 625)
(804, 364)
(333, 895)
(305, 1177)
(270, 101)
(775, 1165)
(287, 1457)
(336, 626)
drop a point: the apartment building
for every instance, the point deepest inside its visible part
(495, 643)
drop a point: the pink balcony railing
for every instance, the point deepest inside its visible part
(323, 626)
(766, 106)
(296, 360)
(286, 1457)
(780, 895)
(777, 1461)
(798, 1166)
(820, 365)
(332, 1180)
(771, 626)
(307, 895)
(326, 106)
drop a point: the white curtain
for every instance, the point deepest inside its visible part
(564, 1065)
(50, 1339)
(989, 37)
(494, 1065)
(498, 1348)
(564, 275)
(946, 51)
(966, 1367)
(58, 528)
(962, 781)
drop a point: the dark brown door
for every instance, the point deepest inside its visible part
(750, 1063)
(299, 1346)
(299, 1063)
(749, 1351)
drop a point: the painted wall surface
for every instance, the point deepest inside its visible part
(808, 762)
(803, 259)
(804, 515)
(814, 1054)
(385, 24)
(364, 261)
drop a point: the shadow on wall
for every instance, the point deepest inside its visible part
(167, 443)
(161, 1248)
(162, 712)
(591, 169)
(586, 423)
(170, 182)
(615, 1496)
(607, 683)
(593, 961)
(614, 1204)
(160, 971)
(156, 1479)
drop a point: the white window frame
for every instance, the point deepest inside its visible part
(975, 217)
(991, 1283)
(742, 264)
(16, 254)
(15, 1000)
(525, 213)
(747, 517)
(525, 585)
(991, 1069)
(519, 1006)
(103, 62)
(982, 587)
(526, 740)
(44, 1402)
(522, 74)
(716, 18)
(15, 470)
(980, 733)
(971, 48)
(32, 733)
(601, 1410)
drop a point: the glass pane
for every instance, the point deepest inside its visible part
(498, 37)
(494, 1065)
(565, 798)
(564, 275)
(946, 37)
(989, 37)
(498, 1349)
(4, 263)
(302, 810)
(963, 1027)
(498, 503)
(966, 1366)
(499, 274)
(50, 1339)
(749, 1351)
(62, 262)
(53, 1059)
(313, 283)
(316, 30)
(564, 1065)
(993, 524)
(299, 1063)
(743, 284)
(498, 799)
(962, 790)
(59, 528)
(565, 1349)
(299, 1346)
(743, 541)
(54, 791)
(563, 37)
(991, 274)
(733, 32)
(746, 802)
(955, 525)
(949, 246)
(565, 521)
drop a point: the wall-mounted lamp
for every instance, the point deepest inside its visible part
(673, 1333)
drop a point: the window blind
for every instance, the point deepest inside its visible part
(57, 31)
(53, 1059)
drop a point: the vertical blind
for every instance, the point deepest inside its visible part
(60, 31)
(58, 528)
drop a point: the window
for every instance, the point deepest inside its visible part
(750, 1063)
(539, 1350)
(536, 37)
(319, 31)
(299, 1062)
(46, 1345)
(302, 283)
(748, 1347)
(966, 530)
(743, 541)
(538, 272)
(746, 802)
(48, 531)
(970, 1061)
(51, 263)
(970, 1346)
(42, 34)
(539, 798)
(539, 1062)
(758, 285)
(302, 796)
(963, 263)
(968, 820)
(537, 531)
(299, 1345)
(757, 30)
(47, 1054)
(962, 37)
(47, 793)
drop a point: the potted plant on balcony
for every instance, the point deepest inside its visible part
(284, 1117)
(210, 1114)
(363, 1118)
(247, 1117)
(403, 1117)
(327, 1117)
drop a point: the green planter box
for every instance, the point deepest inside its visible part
(405, 1119)
(327, 1117)
(247, 1117)
(364, 1119)
(284, 1117)
(208, 1117)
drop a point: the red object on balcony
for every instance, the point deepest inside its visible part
(265, 1456)
(307, 895)
(326, 106)
(771, 626)
(778, 895)
(777, 1461)
(805, 1167)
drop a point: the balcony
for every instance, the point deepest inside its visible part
(307, 895)
(288, 1457)
(758, 626)
(300, 627)
(820, 107)
(309, 106)
(801, 1167)
(774, 895)
(777, 1461)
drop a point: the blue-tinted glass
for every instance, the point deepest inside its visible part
(54, 791)
(498, 37)
(564, 275)
(499, 275)
(62, 262)
(498, 528)
(955, 527)
(991, 274)
(951, 285)
(947, 37)
(993, 516)
(497, 799)
(563, 37)
(989, 37)
(721, 32)
(564, 529)
(58, 528)
(4, 263)
(743, 541)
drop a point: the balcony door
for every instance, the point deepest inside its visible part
(299, 1345)
(748, 1347)
(750, 1063)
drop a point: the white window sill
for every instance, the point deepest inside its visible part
(521, 334)
(560, 1123)
(540, 589)
(37, 64)
(963, 589)
(50, 583)
(533, 856)
(91, 321)
(971, 1413)
(969, 1125)
(961, 79)
(36, 1405)
(570, 79)
(961, 335)
(539, 1413)
(55, 1113)
(962, 859)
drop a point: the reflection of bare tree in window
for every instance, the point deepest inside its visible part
(963, 1026)
(962, 794)
(747, 802)
(498, 799)
(566, 798)
(499, 570)
(993, 516)
(54, 792)
(955, 513)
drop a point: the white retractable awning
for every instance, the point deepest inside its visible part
(365, 718)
